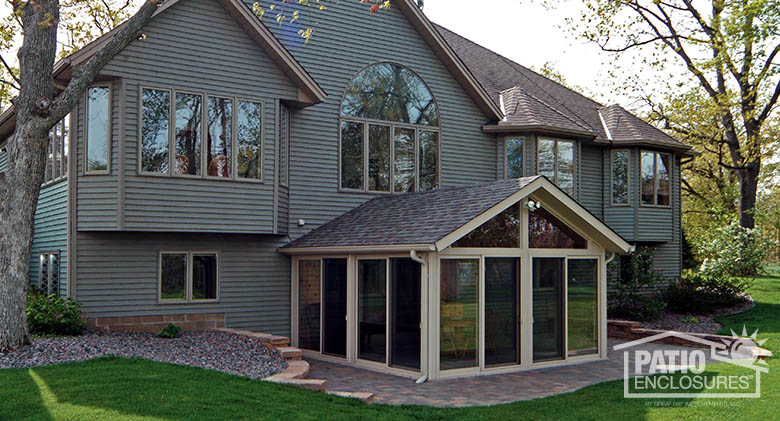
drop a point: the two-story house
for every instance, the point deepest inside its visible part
(389, 194)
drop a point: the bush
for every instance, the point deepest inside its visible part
(734, 251)
(701, 293)
(171, 331)
(52, 315)
(633, 299)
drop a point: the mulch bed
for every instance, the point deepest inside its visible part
(215, 350)
(703, 323)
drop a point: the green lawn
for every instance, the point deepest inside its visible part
(137, 389)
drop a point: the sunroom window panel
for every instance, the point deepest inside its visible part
(429, 151)
(403, 174)
(379, 158)
(459, 343)
(547, 299)
(546, 160)
(249, 133)
(620, 177)
(309, 304)
(502, 231)
(189, 115)
(155, 121)
(545, 231)
(663, 188)
(502, 311)
(582, 292)
(204, 276)
(514, 157)
(173, 276)
(220, 137)
(372, 310)
(98, 120)
(565, 176)
(648, 178)
(351, 155)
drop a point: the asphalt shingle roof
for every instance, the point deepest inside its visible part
(498, 75)
(411, 218)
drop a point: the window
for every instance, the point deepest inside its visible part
(98, 144)
(655, 179)
(583, 309)
(188, 276)
(545, 231)
(556, 162)
(620, 177)
(389, 132)
(57, 153)
(459, 343)
(514, 157)
(213, 136)
(49, 273)
(502, 231)
(309, 293)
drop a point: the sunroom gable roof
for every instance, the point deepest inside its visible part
(434, 220)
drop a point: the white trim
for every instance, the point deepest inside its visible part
(606, 128)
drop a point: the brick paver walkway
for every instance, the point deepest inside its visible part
(484, 390)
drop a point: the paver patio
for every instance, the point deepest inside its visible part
(482, 390)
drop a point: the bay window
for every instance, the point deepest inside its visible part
(188, 276)
(620, 177)
(513, 162)
(556, 161)
(173, 127)
(655, 178)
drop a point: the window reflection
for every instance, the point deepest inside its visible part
(514, 157)
(545, 231)
(155, 120)
(220, 137)
(189, 112)
(502, 231)
(459, 344)
(620, 177)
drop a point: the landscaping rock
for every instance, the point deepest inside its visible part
(215, 350)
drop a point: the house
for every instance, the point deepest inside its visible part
(389, 194)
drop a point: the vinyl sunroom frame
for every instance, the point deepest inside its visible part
(600, 241)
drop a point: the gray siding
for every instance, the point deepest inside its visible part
(117, 276)
(591, 176)
(51, 231)
(193, 46)
(345, 40)
(668, 256)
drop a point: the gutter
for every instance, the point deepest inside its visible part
(413, 255)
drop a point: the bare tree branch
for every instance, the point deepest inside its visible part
(10, 70)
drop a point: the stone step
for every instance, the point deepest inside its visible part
(279, 341)
(296, 369)
(289, 353)
(366, 397)
(308, 384)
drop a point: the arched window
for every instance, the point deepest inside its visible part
(389, 132)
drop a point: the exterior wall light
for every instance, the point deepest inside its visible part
(533, 206)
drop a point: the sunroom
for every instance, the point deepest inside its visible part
(456, 282)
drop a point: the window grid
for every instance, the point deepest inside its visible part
(49, 272)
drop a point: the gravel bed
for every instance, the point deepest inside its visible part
(211, 349)
(705, 323)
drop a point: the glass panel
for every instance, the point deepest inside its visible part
(565, 177)
(189, 112)
(379, 158)
(429, 152)
(334, 314)
(204, 276)
(583, 309)
(249, 135)
(220, 137)
(503, 231)
(389, 92)
(620, 177)
(545, 231)
(548, 309)
(155, 119)
(405, 313)
(351, 155)
(514, 157)
(309, 304)
(66, 144)
(404, 160)
(547, 158)
(459, 305)
(663, 180)
(372, 310)
(173, 276)
(97, 128)
(648, 177)
(502, 312)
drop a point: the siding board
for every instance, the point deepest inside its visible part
(50, 233)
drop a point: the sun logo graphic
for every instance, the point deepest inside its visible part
(654, 370)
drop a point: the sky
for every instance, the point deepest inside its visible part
(529, 34)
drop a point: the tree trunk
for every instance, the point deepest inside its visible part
(748, 190)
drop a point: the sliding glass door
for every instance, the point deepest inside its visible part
(309, 292)
(502, 311)
(372, 310)
(548, 305)
(405, 314)
(334, 314)
(582, 298)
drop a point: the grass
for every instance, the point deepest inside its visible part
(113, 388)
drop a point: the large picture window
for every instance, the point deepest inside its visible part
(655, 178)
(199, 135)
(98, 146)
(188, 276)
(556, 161)
(620, 177)
(390, 138)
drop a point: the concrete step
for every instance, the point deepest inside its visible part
(366, 397)
(289, 353)
(297, 369)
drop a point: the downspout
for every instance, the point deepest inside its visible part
(413, 255)
(611, 258)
